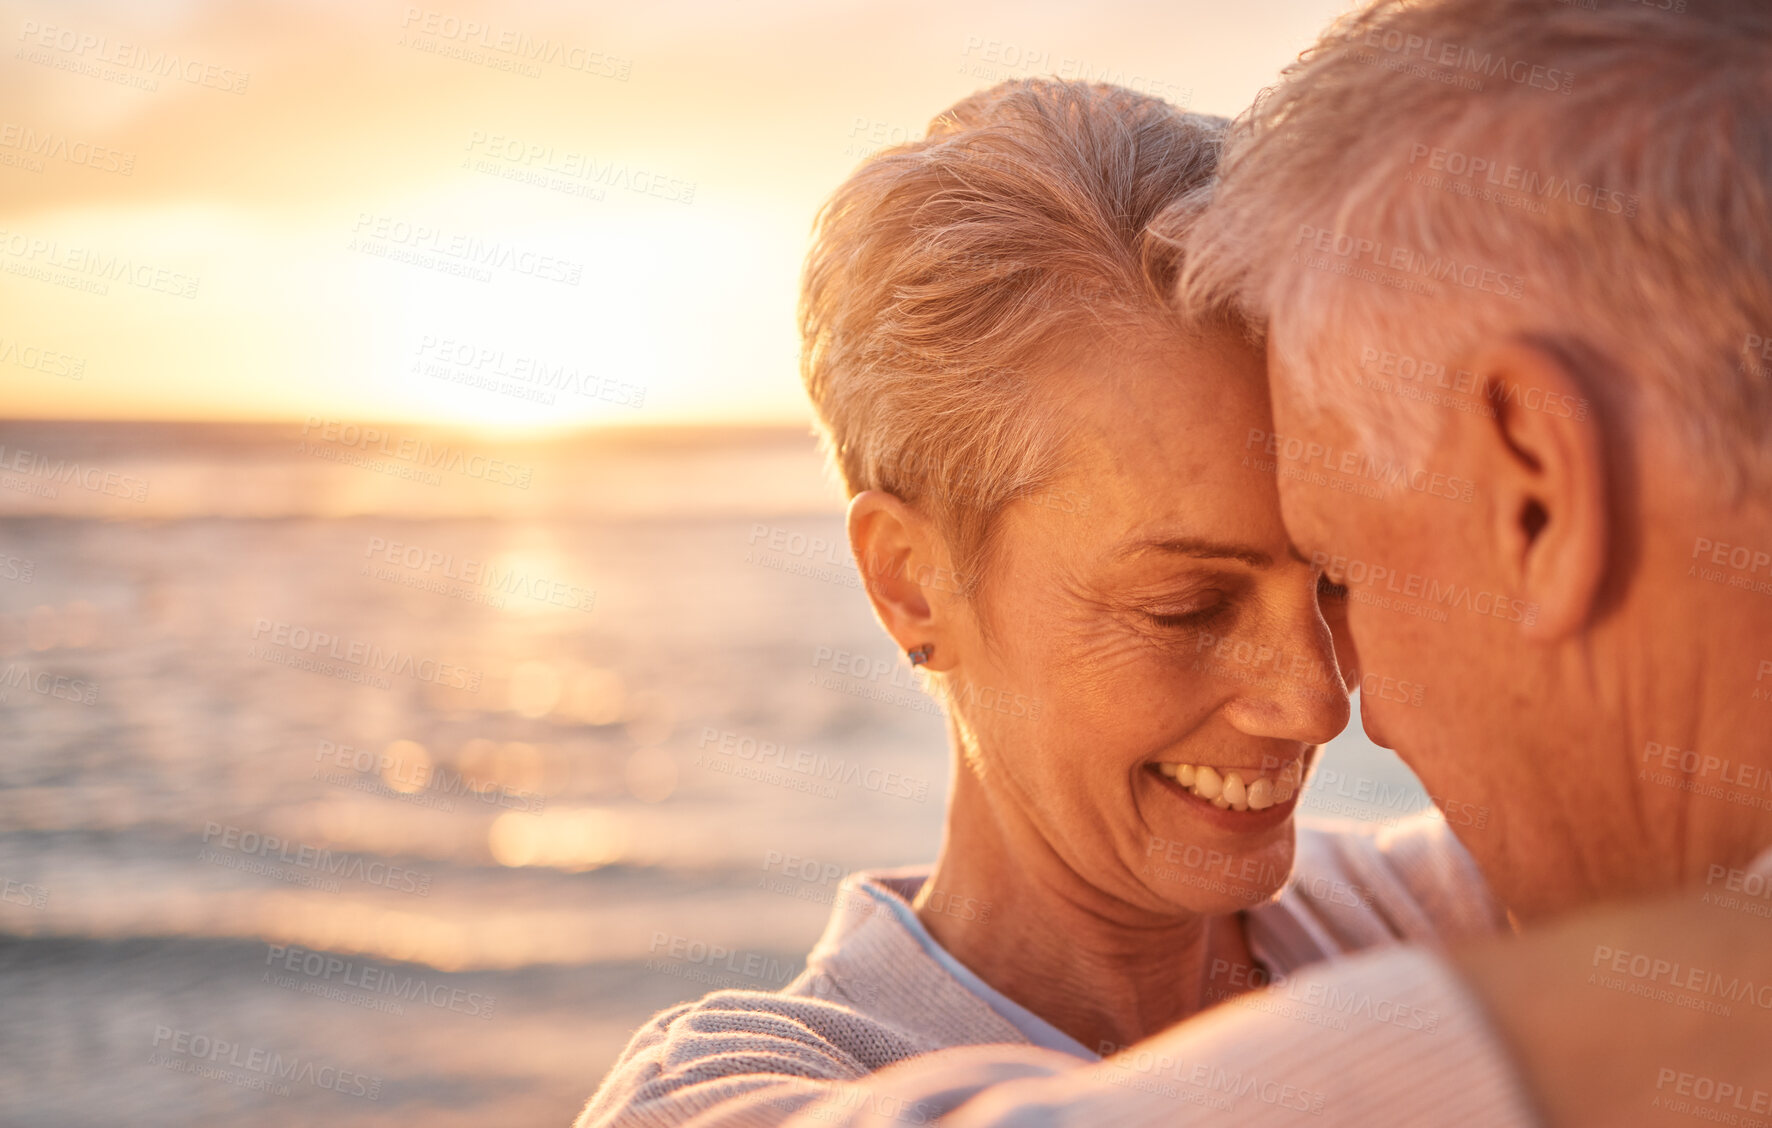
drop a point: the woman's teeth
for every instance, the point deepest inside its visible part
(1240, 789)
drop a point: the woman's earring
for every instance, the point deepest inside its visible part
(921, 654)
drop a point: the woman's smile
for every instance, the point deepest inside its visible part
(1238, 800)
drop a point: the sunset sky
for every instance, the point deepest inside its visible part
(368, 210)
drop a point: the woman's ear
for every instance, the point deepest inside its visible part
(897, 551)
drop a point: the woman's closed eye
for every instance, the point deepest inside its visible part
(1195, 615)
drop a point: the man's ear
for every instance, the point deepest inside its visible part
(1543, 458)
(897, 548)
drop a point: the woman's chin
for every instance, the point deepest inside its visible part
(1206, 869)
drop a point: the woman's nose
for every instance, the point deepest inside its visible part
(1289, 686)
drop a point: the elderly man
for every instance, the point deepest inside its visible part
(1557, 285)
(1526, 245)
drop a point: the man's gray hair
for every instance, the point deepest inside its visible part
(1595, 181)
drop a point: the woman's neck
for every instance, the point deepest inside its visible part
(1107, 973)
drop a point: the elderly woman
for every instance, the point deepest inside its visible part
(1057, 496)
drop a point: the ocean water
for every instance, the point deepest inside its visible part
(364, 775)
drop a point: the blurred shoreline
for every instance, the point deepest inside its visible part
(340, 468)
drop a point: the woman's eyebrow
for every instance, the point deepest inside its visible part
(1202, 549)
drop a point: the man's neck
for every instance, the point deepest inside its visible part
(1703, 717)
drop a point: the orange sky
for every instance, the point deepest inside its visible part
(213, 210)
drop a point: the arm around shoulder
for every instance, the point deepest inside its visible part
(735, 1058)
(1388, 1038)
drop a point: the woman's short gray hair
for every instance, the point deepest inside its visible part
(949, 275)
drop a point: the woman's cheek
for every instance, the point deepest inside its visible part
(1163, 695)
(1103, 668)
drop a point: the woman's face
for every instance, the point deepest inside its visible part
(1146, 672)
